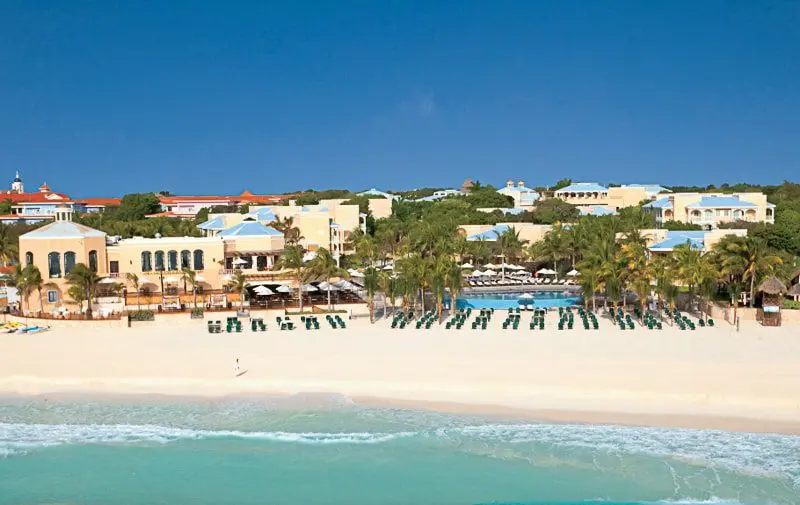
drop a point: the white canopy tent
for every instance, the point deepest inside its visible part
(327, 286)
(573, 273)
(263, 291)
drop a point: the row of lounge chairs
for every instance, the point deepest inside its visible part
(478, 283)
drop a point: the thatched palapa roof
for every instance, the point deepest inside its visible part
(795, 291)
(772, 286)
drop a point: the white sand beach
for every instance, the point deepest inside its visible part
(711, 377)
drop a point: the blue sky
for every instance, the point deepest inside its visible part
(203, 98)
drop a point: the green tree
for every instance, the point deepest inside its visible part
(136, 206)
(562, 183)
(371, 285)
(238, 284)
(750, 257)
(509, 245)
(134, 280)
(324, 266)
(9, 246)
(87, 281)
(554, 210)
(292, 259)
(190, 278)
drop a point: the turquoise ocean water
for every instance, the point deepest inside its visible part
(298, 451)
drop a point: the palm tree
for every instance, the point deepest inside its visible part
(510, 246)
(371, 284)
(78, 294)
(292, 259)
(33, 280)
(9, 248)
(134, 280)
(390, 288)
(291, 233)
(438, 280)
(693, 268)
(662, 271)
(751, 257)
(553, 248)
(454, 282)
(634, 253)
(190, 278)
(19, 279)
(590, 283)
(88, 280)
(324, 266)
(238, 285)
(614, 272)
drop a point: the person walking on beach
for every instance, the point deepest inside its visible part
(236, 368)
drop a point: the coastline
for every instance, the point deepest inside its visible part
(713, 379)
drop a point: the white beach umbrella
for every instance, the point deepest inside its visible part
(489, 272)
(263, 291)
(199, 278)
(526, 296)
(490, 266)
(389, 267)
(477, 273)
(327, 286)
(573, 273)
(239, 261)
(109, 280)
(283, 289)
(467, 265)
(310, 255)
(347, 285)
(355, 273)
(307, 288)
(145, 280)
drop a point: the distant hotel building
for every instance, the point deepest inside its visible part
(709, 210)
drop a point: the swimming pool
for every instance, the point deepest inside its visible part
(509, 300)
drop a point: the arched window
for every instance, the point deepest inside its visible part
(93, 261)
(69, 262)
(28, 258)
(54, 265)
(159, 261)
(186, 259)
(198, 259)
(172, 260)
(147, 261)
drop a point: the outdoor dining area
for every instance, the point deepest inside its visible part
(505, 275)
(269, 294)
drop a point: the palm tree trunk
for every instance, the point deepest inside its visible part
(328, 280)
(41, 302)
(752, 290)
(300, 292)
(594, 302)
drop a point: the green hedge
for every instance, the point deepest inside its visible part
(142, 315)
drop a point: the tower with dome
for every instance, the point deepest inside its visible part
(17, 186)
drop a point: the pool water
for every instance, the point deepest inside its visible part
(540, 299)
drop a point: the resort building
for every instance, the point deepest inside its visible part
(32, 208)
(709, 210)
(187, 207)
(664, 241)
(438, 195)
(490, 233)
(157, 262)
(524, 197)
(327, 224)
(375, 192)
(588, 196)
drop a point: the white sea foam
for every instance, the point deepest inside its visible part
(746, 452)
(16, 438)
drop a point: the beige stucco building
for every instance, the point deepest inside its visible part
(327, 224)
(709, 210)
(157, 262)
(589, 195)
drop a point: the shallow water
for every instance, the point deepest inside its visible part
(293, 451)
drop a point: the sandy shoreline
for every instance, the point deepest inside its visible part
(710, 378)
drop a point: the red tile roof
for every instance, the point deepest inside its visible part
(34, 197)
(245, 197)
(108, 202)
(162, 214)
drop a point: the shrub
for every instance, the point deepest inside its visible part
(142, 315)
(791, 304)
(197, 312)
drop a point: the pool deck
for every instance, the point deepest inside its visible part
(524, 288)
